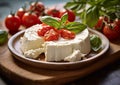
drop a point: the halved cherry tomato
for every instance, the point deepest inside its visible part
(100, 24)
(51, 35)
(111, 32)
(37, 7)
(71, 15)
(12, 22)
(53, 12)
(30, 19)
(66, 34)
(45, 28)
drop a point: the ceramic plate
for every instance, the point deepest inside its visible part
(14, 47)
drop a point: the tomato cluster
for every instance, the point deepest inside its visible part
(59, 13)
(110, 28)
(25, 17)
(30, 16)
(50, 33)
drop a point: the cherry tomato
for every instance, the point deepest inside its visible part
(51, 35)
(111, 32)
(117, 28)
(45, 28)
(21, 11)
(117, 22)
(30, 19)
(12, 22)
(53, 12)
(100, 24)
(37, 7)
(66, 34)
(71, 15)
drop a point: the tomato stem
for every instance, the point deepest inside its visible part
(12, 13)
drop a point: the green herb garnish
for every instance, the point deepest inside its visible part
(89, 11)
(95, 42)
(62, 23)
(3, 36)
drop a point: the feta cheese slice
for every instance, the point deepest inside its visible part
(30, 39)
(57, 51)
(34, 53)
(75, 56)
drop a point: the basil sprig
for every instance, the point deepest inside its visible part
(76, 27)
(95, 42)
(89, 11)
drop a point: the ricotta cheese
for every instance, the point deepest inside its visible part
(31, 40)
(72, 50)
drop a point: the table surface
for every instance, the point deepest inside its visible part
(109, 75)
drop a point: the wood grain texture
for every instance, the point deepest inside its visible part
(23, 74)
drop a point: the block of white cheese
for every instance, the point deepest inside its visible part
(75, 56)
(30, 39)
(32, 46)
(59, 50)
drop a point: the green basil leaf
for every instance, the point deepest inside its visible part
(64, 19)
(111, 3)
(50, 21)
(71, 5)
(95, 42)
(3, 36)
(75, 26)
(76, 31)
(92, 16)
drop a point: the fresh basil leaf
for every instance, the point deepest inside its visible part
(71, 5)
(50, 21)
(75, 26)
(95, 42)
(64, 19)
(3, 36)
(76, 31)
(111, 3)
(92, 16)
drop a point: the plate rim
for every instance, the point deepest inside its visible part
(20, 56)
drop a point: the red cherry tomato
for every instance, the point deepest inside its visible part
(30, 19)
(53, 12)
(51, 35)
(21, 11)
(45, 28)
(100, 24)
(111, 32)
(117, 22)
(38, 8)
(71, 15)
(12, 22)
(66, 34)
(117, 28)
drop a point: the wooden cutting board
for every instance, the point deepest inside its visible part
(23, 74)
